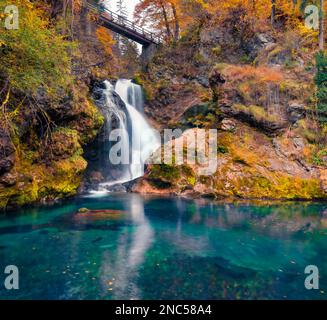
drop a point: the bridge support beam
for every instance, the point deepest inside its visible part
(148, 51)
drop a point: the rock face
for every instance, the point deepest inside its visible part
(295, 112)
(249, 165)
(7, 152)
(41, 150)
(257, 92)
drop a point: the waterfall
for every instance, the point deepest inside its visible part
(137, 139)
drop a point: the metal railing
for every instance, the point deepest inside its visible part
(123, 22)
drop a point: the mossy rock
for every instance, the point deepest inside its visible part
(164, 175)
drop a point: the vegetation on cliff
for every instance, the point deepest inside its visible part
(256, 75)
(47, 114)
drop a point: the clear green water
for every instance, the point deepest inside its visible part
(165, 248)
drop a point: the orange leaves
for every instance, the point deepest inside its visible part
(106, 39)
(247, 72)
(77, 5)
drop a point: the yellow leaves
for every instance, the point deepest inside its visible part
(106, 39)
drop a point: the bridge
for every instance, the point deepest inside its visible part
(124, 27)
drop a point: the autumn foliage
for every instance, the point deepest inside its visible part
(173, 17)
(106, 39)
(262, 73)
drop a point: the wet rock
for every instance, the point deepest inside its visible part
(96, 177)
(117, 188)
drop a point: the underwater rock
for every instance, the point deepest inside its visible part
(98, 214)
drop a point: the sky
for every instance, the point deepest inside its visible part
(130, 5)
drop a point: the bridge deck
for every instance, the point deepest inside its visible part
(125, 27)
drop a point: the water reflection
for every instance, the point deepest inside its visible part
(276, 220)
(130, 254)
(166, 248)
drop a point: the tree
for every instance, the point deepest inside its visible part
(321, 82)
(174, 7)
(104, 36)
(159, 15)
(121, 8)
(122, 12)
(321, 26)
(273, 12)
(34, 56)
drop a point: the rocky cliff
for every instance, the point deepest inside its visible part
(258, 92)
(43, 132)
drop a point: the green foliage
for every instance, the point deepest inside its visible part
(318, 158)
(34, 56)
(165, 171)
(222, 149)
(321, 82)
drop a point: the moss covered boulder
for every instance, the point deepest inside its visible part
(250, 165)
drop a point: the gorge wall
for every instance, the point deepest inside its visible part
(258, 91)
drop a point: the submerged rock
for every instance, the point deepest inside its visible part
(98, 214)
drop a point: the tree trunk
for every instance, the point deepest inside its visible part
(72, 19)
(321, 26)
(64, 8)
(273, 12)
(164, 12)
(176, 36)
(254, 7)
(64, 14)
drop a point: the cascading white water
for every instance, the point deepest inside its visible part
(143, 138)
(137, 139)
